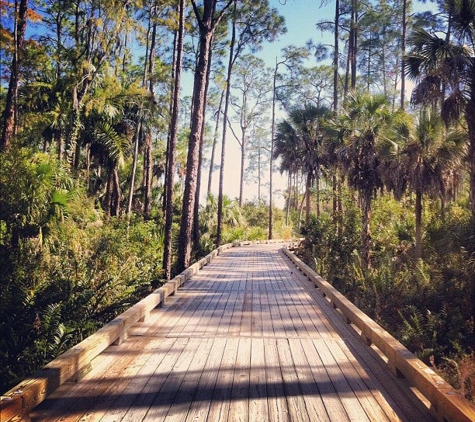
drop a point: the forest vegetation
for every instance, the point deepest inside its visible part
(105, 161)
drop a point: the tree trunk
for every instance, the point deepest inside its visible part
(366, 229)
(317, 190)
(149, 70)
(289, 193)
(196, 219)
(243, 163)
(108, 194)
(215, 141)
(167, 248)
(336, 56)
(271, 158)
(9, 113)
(418, 210)
(207, 27)
(225, 119)
(147, 176)
(138, 129)
(403, 52)
(308, 196)
(354, 41)
(117, 196)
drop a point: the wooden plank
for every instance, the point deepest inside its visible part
(53, 408)
(258, 407)
(188, 387)
(153, 385)
(293, 391)
(359, 382)
(267, 327)
(219, 408)
(246, 314)
(169, 388)
(327, 391)
(97, 397)
(257, 326)
(276, 400)
(199, 409)
(289, 325)
(239, 400)
(347, 396)
(148, 364)
(310, 392)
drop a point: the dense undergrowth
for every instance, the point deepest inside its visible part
(426, 303)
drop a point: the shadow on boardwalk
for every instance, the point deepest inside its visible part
(247, 339)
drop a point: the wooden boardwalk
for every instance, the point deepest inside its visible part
(248, 339)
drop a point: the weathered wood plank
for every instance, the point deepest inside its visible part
(204, 391)
(293, 392)
(239, 400)
(313, 399)
(219, 408)
(276, 400)
(257, 382)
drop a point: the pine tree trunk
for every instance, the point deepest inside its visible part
(117, 196)
(336, 56)
(9, 114)
(147, 176)
(199, 88)
(167, 248)
(403, 53)
(149, 70)
(225, 118)
(108, 195)
(366, 229)
(196, 219)
(243, 163)
(308, 197)
(215, 141)
(418, 223)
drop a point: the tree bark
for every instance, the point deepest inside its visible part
(336, 55)
(9, 113)
(243, 163)
(418, 210)
(225, 121)
(196, 219)
(167, 249)
(207, 25)
(403, 52)
(215, 141)
(308, 197)
(148, 158)
(366, 228)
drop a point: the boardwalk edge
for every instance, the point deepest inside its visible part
(446, 401)
(71, 365)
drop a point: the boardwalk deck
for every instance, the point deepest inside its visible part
(248, 339)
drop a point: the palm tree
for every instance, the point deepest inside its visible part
(443, 67)
(430, 160)
(298, 141)
(363, 123)
(109, 146)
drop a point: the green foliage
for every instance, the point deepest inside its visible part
(64, 272)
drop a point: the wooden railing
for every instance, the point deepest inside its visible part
(73, 364)
(449, 405)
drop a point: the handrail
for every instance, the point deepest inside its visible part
(73, 364)
(446, 401)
